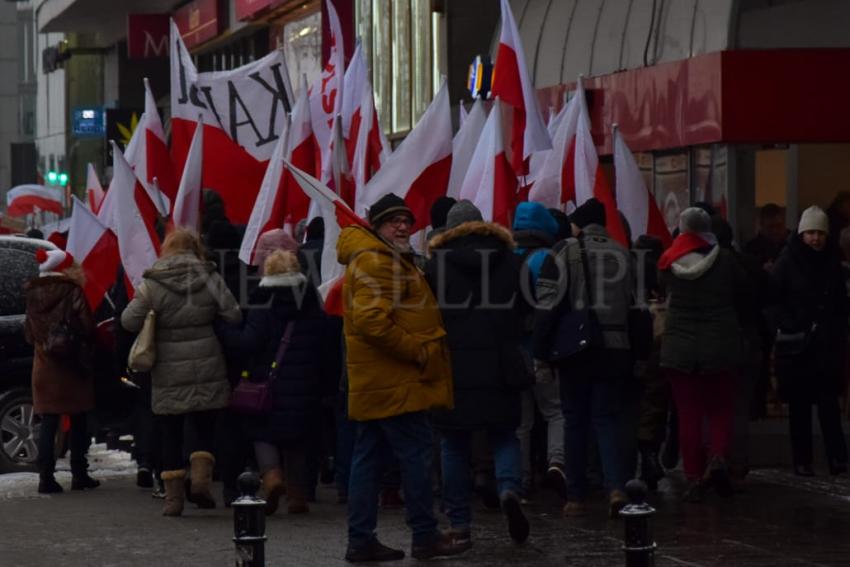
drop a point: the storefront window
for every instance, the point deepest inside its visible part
(671, 185)
(382, 78)
(422, 60)
(401, 65)
(302, 40)
(710, 177)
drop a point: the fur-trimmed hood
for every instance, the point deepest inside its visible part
(291, 279)
(478, 228)
(694, 265)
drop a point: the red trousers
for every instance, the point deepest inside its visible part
(700, 399)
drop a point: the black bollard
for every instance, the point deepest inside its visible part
(639, 544)
(249, 523)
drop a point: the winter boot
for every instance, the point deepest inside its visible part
(80, 479)
(296, 500)
(201, 463)
(47, 484)
(274, 487)
(175, 492)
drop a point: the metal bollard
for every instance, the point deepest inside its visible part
(249, 523)
(639, 544)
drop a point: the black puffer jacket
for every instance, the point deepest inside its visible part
(808, 289)
(309, 367)
(484, 341)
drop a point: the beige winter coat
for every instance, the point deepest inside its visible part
(187, 296)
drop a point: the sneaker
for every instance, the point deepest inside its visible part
(720, 480)
(48, 485)
(144, 478)
(575, 509)
(442, 546)
(556, 481)
(517, 522)
(616, 502)
(84, 482)
(373, 551)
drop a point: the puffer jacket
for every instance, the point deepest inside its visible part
(702, 334)
(309, 368)
(59, 386)
(397, 356)
(187, 296)
(534, 233)
(484, 325)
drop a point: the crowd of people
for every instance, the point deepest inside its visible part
(497, 363)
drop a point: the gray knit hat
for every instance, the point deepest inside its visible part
(694, 220)
(461, 212)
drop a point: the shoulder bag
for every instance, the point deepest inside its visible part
(255, 398)
(143, 352)
(577, 329)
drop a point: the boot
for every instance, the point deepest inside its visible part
(201, 463)
(616, 502)
(296, 500)
(274, 487)
(175, 492)
(517, 522)
(80, 479)
(47, 484)
(651, 470)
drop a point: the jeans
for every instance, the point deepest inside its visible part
(200, 435)
(346, 432)
(456, 482)
(548, 400)
(702, 398)
(79, 444)
(410, 440)
(592, 401)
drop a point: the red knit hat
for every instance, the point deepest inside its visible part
(53, 260)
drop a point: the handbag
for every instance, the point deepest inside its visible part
(143, 352)
(577, 329)
(255, 398)
(61, 341)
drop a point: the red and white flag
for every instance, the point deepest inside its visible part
(513, 85)
(490, 182)
(148, 155)
(368, 147)
(95, 248)
(134, 221)
(304, 153)
(187, 203)
(342, 181)
(553, 172)
(94, 190)
(463, 146)
(26, 199)
(326, 94)
(418, 170)
(633, 198)
(243, 114)
(461, 114)
(269, 210)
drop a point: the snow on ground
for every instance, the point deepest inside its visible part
(103, 463)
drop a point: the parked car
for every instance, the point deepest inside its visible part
(19, 426)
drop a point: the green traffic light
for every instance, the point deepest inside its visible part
(51, 177)
(63, 179)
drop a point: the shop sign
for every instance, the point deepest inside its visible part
(247, 9)
(147, 36)
(198, 22)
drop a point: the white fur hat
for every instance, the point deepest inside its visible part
(813, 218)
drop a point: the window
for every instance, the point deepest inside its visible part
(671, 185)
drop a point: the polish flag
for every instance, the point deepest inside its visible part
(461, 114)
(187, 203)
(553, 171)
(463, 146)
(490, 183)
(590, 180)
(25, 199)
(94, 190)
(512, 84)
(368, 147)
(148, 155)
(243, 113)
(327, 93)
(269, 209)
(304, 153)
(96, 249)
(418, 171)
(633, 198)
(343, 182)
(134, 221)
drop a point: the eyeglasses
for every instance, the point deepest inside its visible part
(399, 220)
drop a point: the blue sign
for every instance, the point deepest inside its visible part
(89, 122)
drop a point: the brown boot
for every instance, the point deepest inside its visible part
(274, 487)
(296, 500)
(175, 492)
(616, 502)
(202, 464)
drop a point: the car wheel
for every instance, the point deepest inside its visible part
(19, 429)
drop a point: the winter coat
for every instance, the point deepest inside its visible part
(702, 333)
(484, 340)
(187, 296)
(562, 286)
(397, 356)
(59, 386)
(807, 290)
(308, 370)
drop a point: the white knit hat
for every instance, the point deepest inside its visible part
(813, 218)
(53, 260)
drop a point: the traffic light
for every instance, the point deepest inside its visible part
(57, 178)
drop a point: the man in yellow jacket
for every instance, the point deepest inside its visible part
(398, 369)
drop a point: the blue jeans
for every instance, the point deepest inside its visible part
(592, 401)
(456, 480)
(409, 438)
